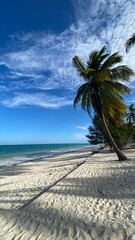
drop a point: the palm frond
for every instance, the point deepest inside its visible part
(92, 60)
(118, 87)
(95, 58)
(130, 115)
(89, 106)
(103, 49)
(101, 59)
(85, 98)
(78, 64)
(93, 55)
(121, 73)
(112, 101)
(96, 102)
(131, 107)
(101, 56)
(112, 60)
(130, 42)
(80, 93)
(86, 102)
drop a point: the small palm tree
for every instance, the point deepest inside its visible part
(130, 116)
(101, 89)
(130, 42)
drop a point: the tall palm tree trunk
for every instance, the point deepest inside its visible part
(121, 156)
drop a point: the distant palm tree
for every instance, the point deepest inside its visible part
(130, 42)
(130, 116)
(101, 89)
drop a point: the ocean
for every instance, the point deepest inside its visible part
(12, 154)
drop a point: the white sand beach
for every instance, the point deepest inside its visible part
(69, 196)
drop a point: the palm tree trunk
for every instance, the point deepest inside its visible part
(121, 156)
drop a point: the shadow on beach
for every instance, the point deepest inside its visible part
(117, 183)
(120, 185)
(12, 170)
(50, 223)
(62, 221)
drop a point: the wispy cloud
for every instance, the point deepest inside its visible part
(41, 100)
(80, 136)
(44, 61)
(83, 127)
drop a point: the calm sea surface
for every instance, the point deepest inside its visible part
(10, 154)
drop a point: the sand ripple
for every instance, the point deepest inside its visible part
(96, 200)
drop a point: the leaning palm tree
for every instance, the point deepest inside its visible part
(101, 90)
(130, 42)
(130, 116)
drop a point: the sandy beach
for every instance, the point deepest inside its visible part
(69, 196)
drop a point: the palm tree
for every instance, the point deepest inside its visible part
(130, 116)
(130, 42)
(101, 90)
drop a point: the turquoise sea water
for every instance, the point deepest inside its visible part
(11, 154)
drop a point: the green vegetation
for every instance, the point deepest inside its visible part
(96, 134)
(102, 90)
(121, 133)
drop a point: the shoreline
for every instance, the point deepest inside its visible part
(49, 155)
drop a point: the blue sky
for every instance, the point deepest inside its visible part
(37, 80)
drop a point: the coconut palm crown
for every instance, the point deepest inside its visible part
(101, 90)
(130, 42)
(130, 116)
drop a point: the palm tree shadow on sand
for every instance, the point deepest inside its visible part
(49, 223)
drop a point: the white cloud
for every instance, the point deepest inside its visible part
(41, 100)
(83, 127)
(44, 61)
(108, 23)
